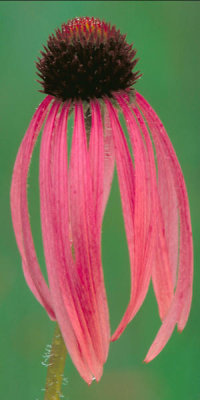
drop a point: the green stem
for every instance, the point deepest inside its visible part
(56, 367)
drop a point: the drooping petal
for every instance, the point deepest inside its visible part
(102, 165)
(55, 230)
(19, 210)
(162, 270)
(145, 206)
(161, 273)
(144, 213)
(126, 183)
(179, 310)
(86, 238)
(96, 157)
(170, 214)
(109, 158)
(100, 185)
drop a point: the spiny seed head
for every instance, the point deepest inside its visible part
(86, 58)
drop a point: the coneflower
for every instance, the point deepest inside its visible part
(86, 69)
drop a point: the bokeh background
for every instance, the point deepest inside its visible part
(166, 35)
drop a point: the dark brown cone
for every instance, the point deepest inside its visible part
(86, 59)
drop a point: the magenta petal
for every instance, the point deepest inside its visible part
(101, 151)
(157, 253)
(162, 274)
(141, 234)
(109, 158)
(126, 183)
(54, 217)
(145, 205)
(100, 185)
(19, 210)
(179, 310)
(85, 232)
(168, 210)
(96, 157)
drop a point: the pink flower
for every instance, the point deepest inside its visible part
(73, 196)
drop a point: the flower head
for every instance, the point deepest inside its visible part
(86, 59)
(86, 69)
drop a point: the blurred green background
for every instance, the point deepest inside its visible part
(166, 35)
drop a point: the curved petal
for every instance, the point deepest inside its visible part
(161, 271)
(169, 210)
(180, 307)
(86, 226)
(109, 159)
(145, 204)
(55, 230)
(145, 211)
(147, 222)
(100, 184)
(96, 158)
(126, 183)
(19, 210)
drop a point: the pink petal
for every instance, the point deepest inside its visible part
(85, 233)
(55, 229)
(19, 210)
(169, 210)
(96, 156)
(109, 158)
(141, 236)
(145, 202)
(161, 273)
(126, 183)
(67, 272)
(179, 310)
(100, 185)
(101, 165)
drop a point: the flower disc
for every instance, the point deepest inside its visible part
(86, 58)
